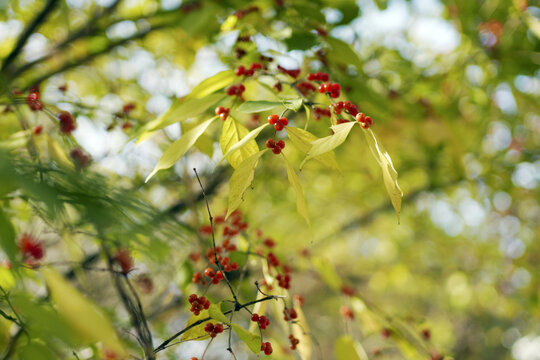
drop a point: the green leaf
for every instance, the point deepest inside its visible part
(301, 40)
(327, 272)
(245, 140)
(233, 131)
(197, 332)
(301, 206)
(83, 316)
(293, 104)
(329, 143)
(213, 83)
(7, 236)
(35, 350)
(216, 313)
(178, 148)
(258, 106)
(179, 111)
(303, 139)
(253, 341)
(345, 348)
(343, 53)
(241, 179)
(389, 173)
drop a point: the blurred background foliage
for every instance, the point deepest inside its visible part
(453, 87)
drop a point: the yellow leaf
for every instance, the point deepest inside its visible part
(245, 140)
(345, 348)
(197, 332)
(57, 153)
(300, 330)
(301, 206)
(253, 341)
(178, 148)
(303, 139)
(389, 173)
(213, 83)
(81, 314)
(241, 179)
(329, 143)
(233, 131)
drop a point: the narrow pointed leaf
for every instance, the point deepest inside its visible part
(7, 236)
(301, 206)
(241, 179)
(178, 148)
(253, 341)
(303, 139)
(245, 140)
(293, 104)
(301, 331)
(389, 173)
(213, 83)
(329, 143)
(258, 106)
(83, 316)
(346, 348)
(233, 131)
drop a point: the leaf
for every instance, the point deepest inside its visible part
(300, 330)
(253, 341)
(83, 316)
(197, 332)
(179, 111)
(301, 40)
(233, 131)
(215, 313)
(258, 106)
(345, 348)
(329, 143)
(178, 148)
(245, 140)
(7, 236)
(213, 83)
(303, 139)
(343, 52)
(389, 173)
(308, 116)
(301, 206)
(57, 153)
(327, 272)
(241, 179)
(293, 104)
(6, 278)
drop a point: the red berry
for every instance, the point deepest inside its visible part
(273, 119)
(223, 116)
(127, 108)
(347, 312)
(311, 77)
(281, 144)
(284, 121)
(269, 242)
(240, 70)
(256, 66)
(67, 123)
(278, 126)
(219, 110)
(32, 100)
(276, 150)
(324, 77)
(218, 328)
(123, 258)
(255, 317)
(37, 130)
(209, 272)
(231, 90)
(270, 143)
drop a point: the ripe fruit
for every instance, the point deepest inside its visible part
(32, 100)
(127, 108)
(67, 122)
(37, 129)
(198, 304)
(273, 260)
(346, 312)
(262, 320)
(289, 314)
(31, 247)
(279, 123)
(292, 73)
(347, 290)
(209, 272)
(123, 258)
(284, 281)
(223, 112)
(319, 76)
(266, 348)
(330, 88)
(294, 342)
(236, 90)
(270, 143)
(81, 159)
(365, 121)
(213, 330)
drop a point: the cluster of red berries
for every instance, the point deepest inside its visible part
(320, 76)
(273, 260)
(289, 314)
(346, 312)
(198, 304)
(347, 290)
(330, 88)
(237, 90)
(262, 320)
(123, 258)
(243, 71)
(276, 146)
(67, 122)
(365, 121)
(222, 112)
(294, 342)
(31, 248)
(33, 102)
(292, 72)
(215, 277)
(81, 159)
(284, 280)
(319, 112)
(37, 129)
(305, 87)
(267, 348)
(279, 123)
(347, 106)
(127, 108)
(221, 252)
(213, 330)
(342, 121)
(268, 242)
